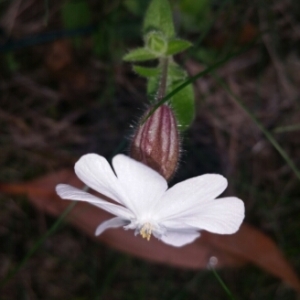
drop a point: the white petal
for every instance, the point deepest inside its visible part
(143, 185)
(176, 224)
(111, 223)
(66, 191)
(190, 193)
(95, 172)
(179, 238)
(223, 216)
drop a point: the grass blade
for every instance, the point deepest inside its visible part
(222, 283)
(266, 132)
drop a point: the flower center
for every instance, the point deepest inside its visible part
(146, 231)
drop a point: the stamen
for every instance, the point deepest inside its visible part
(146, 231)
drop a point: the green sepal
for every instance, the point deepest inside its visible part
(159, 17)
(177, 45)
(146, 72)
(140, 54)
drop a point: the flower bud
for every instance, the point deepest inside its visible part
(156, 42)
(156, 142)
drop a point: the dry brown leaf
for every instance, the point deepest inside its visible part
(247, 245)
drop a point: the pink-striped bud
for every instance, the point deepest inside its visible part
(156, 142)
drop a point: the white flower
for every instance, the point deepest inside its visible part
(145, 204)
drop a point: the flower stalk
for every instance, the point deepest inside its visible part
(164, 76)
(156, 142)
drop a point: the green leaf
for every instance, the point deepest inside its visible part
(183, 105)
(175, 73)
(74, 15)
(146, 72)
(183, 101)
(152, 88)
(159, 17)
(140, 54)
(177, 46)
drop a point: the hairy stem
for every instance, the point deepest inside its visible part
(164, 62)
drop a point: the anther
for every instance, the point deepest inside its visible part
(146, 231)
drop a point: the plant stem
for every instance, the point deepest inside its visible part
(164, 62)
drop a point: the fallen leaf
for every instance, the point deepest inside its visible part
(247, 245)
